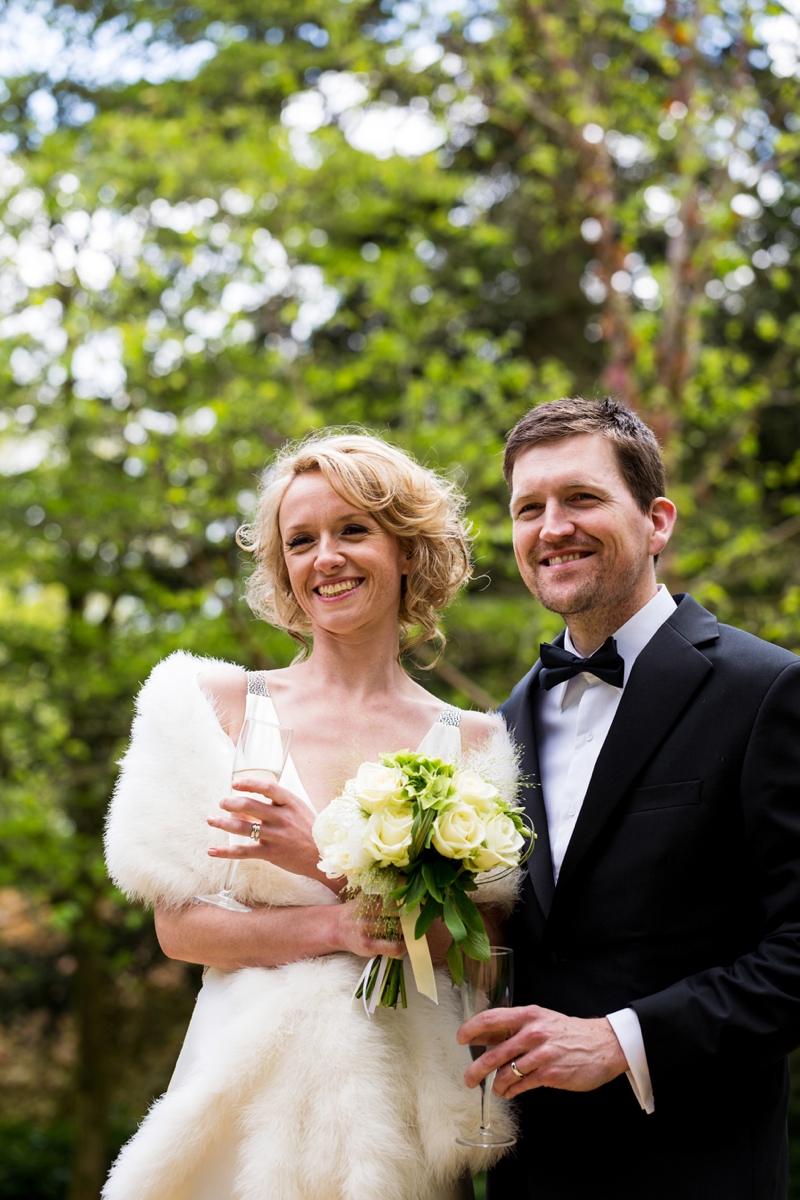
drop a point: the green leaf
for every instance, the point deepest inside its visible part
(465, 882)
(477, 946)
(416, 890)
(430, 911)
(455, 962)
(431, 877)
(476, 942)
(468, 911)
(452, 920)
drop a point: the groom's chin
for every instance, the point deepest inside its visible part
(566, 602)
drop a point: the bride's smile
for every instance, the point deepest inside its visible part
(337, 590)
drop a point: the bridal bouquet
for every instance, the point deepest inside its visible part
(416, 832)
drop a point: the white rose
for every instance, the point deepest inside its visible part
(375, 785)
(388, 835)
(501, 846)
(458, 832)
(471, 789)
(340, 834)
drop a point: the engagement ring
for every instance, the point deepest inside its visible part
(255, 831)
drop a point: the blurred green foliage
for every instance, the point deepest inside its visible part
(195, 270)
(34, 1163)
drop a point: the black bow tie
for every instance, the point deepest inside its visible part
(558, 664)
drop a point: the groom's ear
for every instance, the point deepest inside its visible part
(663, 515)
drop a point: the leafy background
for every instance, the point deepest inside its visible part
(226, 225)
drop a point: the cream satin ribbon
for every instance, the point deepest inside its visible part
(419, 955)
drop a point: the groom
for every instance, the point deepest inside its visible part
(658, 936)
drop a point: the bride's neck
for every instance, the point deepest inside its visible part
(363, 666)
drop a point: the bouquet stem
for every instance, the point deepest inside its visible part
(382, 983)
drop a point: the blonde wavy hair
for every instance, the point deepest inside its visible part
(414, 504)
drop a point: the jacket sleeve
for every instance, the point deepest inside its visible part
(746, 1014)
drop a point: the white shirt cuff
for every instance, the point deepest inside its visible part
(625, 1024)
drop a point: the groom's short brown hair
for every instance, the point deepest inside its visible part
(635, 444)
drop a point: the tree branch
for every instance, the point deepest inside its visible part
(455, 678)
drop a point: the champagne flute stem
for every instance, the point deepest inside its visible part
(486, 1093)
(230, 875)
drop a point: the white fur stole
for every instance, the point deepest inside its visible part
(176, 771)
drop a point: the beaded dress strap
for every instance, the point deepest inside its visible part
(257, 684)
(450, 716)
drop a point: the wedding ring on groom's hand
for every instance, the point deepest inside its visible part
(519, 1074)
(255, 831)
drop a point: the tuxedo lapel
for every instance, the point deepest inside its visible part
(519, 714)
(664, 678)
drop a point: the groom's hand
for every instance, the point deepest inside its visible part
(549, 1048)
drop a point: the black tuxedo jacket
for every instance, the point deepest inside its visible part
(679, 896)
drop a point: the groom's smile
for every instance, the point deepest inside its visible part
(563, 557)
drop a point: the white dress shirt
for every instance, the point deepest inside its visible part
(572, 723)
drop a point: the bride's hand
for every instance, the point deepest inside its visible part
(362, 929)
(285, 829)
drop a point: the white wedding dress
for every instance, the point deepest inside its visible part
(284, 1089)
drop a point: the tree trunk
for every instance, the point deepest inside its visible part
(90, 1158)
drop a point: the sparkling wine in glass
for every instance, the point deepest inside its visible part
(487, 985)
(261, 753)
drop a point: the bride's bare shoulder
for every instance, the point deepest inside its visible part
(476, 727)
(226, 688)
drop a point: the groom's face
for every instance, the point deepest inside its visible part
(580, 539)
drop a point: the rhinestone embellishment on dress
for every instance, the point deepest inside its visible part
(257, 684)
(450, 716)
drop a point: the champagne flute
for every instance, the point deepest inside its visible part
(487, 985)
(261, 753)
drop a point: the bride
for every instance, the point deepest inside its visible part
(284, 1089)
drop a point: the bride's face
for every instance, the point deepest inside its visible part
(345, 570)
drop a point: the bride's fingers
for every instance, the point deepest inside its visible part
(373, 946)
(372, 926)
(273, 791)
(242, 806)
(374, 941)
(285, 806)
(365, 931)
(243, 826)
(253, 850)
(233, 825)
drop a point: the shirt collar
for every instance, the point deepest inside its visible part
(631, 639)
